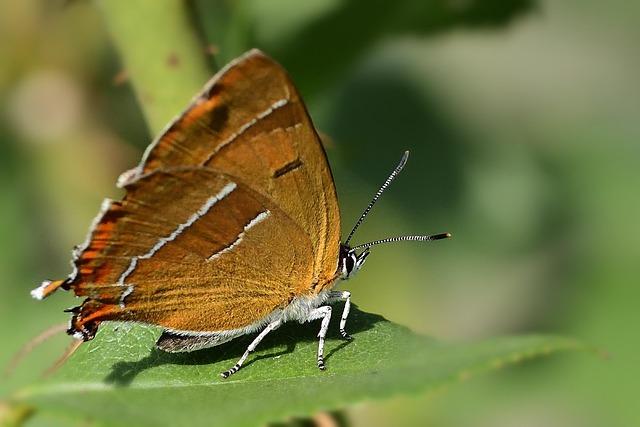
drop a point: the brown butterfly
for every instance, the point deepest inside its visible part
(229, 226)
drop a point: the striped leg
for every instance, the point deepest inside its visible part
(345, 295)
(323, 312)
(270, 327)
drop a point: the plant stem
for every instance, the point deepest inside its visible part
(161, 53)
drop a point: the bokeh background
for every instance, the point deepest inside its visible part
(523, 119)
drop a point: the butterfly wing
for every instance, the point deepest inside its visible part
(250, 122)
(190, 249)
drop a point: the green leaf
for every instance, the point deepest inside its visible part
(120, 379)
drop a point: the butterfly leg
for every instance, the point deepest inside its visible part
(270, 327)
(343, 295)
(323, 312)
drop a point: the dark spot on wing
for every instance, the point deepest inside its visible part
(214, 90)
(219, 117)
(291, 166)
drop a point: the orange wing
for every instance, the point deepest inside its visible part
(249, 121)
(163, 254)
(190, 249)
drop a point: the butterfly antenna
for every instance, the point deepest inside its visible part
(429, 238)
(373, 201)
(29, 346)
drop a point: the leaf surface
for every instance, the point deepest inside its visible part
(120, 379)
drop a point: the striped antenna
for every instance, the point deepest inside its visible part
(373, 201)
(402, 239)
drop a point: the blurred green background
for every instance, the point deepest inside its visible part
(523, 119)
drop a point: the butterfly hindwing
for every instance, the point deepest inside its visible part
(191, 250)
(173, 342)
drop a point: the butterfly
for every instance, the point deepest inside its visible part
(230, 224)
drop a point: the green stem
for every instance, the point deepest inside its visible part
(161, 53)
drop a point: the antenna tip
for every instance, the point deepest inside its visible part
(403, 161)
(441, 236)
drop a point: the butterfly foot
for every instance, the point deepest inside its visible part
(321, 365)
(227, 374)
(345, 335)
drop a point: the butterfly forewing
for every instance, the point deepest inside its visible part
(250, 122)
(234, 103)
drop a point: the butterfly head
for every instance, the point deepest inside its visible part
(350, 261)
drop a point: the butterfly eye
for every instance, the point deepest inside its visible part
(348, 262)
(352, 262)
